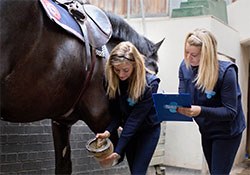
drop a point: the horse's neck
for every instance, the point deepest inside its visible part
(122, 31)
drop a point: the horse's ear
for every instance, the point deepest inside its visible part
(157, 45)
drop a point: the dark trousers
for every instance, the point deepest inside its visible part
(141, 148)
(220, 154)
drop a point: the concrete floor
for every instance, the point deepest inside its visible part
(242, 169)
(245, 168)
(181, 171)
(169, 170)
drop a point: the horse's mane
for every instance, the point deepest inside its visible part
(124, 32)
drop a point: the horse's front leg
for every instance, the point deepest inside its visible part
(61, 134)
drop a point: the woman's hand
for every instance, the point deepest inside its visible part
(111, 160)
(190, 112)
(103, 135)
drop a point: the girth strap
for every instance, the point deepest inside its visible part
(87, 47)
(85, 83)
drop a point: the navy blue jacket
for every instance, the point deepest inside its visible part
(221, 111)
(133, 117)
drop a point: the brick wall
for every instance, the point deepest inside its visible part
(27, 148)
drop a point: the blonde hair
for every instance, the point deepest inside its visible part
(126, 52)
(209, 65)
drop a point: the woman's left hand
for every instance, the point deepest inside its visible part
(111, 160)
(190, 112)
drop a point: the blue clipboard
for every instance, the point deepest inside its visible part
(166, 105)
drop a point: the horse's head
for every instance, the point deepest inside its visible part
(151, 57)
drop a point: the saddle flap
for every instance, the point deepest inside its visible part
(98, 26)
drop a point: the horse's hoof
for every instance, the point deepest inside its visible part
(100, 148)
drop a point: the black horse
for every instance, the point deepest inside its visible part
(42, 73)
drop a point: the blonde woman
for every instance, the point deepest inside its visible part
(129, 87)
(216, 100)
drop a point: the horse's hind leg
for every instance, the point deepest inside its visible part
(61, 134)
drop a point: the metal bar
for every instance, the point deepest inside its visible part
(115, 4)
(143, 17)
(167, 7)
(128, 9)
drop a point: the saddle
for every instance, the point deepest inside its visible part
(95, 26)
(93, 21)
(87, 22)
